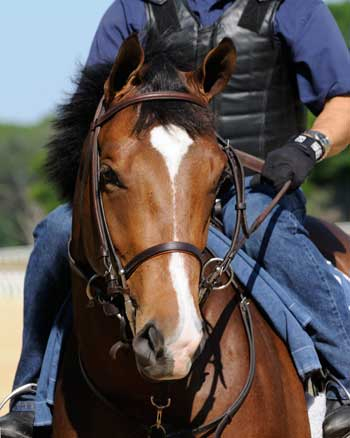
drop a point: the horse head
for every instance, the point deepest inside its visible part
(159, 169)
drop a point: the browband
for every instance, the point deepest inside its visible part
(155, 95)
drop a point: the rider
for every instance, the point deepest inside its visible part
(289, 52)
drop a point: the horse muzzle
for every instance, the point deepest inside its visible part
(156, 361)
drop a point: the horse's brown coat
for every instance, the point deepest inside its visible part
(275, 406)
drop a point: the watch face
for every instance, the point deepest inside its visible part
(323, 139)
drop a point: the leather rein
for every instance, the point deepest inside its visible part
(115, 300)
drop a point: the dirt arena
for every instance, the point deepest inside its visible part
(12, 265)
(10, 341)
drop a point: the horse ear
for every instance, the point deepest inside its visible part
(128, 63)
(216, 69)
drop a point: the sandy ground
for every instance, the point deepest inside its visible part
(10, 341)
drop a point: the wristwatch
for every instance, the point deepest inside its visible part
(321, 146)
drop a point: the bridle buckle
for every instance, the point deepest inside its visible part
(212, 281)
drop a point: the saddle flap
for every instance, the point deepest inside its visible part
(331, 241)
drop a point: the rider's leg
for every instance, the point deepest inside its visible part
(282, 246)
(47, 282)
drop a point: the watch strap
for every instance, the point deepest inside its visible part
(308, 143)
(322, 139)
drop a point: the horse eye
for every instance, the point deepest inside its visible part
(109, 177)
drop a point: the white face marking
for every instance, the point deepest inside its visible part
(173, 144)
(189, 332)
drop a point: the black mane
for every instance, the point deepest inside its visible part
(162, 54)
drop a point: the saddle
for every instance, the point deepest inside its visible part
(331, 241)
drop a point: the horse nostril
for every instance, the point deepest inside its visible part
(149, 343)
(156, 341)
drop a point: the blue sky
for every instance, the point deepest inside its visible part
(41, 44)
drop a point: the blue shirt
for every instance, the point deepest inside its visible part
(318, 50)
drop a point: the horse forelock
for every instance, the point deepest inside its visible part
(164, 57)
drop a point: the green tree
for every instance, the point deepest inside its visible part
(327, 189)
(25, 194)
(341, 13)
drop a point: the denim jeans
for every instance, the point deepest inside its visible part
(281, 245)
(46, 284)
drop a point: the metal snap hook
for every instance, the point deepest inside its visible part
(158, 430)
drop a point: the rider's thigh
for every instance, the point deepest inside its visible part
(53, 232)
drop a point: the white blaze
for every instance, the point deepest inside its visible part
(173, 144)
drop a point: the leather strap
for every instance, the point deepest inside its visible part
(148, 97)
(160, 249)
(249, 161)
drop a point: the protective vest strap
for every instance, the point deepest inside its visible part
(254, 15)
(166, 17)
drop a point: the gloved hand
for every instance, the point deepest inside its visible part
(293, 161)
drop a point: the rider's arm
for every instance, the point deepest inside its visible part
(120, 20)
(334, 122)
(318, 51)
(322, 64)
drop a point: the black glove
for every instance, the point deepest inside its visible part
(292, 162)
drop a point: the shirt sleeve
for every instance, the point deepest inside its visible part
(319, 52)
(120, 20)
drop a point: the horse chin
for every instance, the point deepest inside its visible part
(161, 372)
(164, 368)
(181, 370)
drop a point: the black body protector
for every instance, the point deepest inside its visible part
(260, 108)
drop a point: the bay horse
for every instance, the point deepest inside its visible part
(144, 351)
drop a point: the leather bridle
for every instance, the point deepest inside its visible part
(115, 298)
(116, 275)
